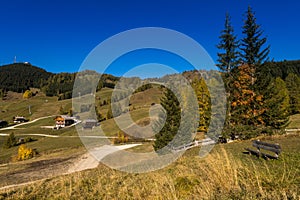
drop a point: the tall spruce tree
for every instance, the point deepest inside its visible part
(252, 45)
(228, 59)
(277, 104)
(253, 54)
(171, 126)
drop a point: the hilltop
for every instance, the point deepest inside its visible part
(19, 77)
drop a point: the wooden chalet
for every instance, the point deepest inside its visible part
(63, 121)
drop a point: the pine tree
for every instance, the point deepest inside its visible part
(228, 59)
(264, 76)
(2, 93)
(109, 113)
(247, 104)
(277, 104)
(11, 141)
(253, 52)
(293, 85)
(98, 114)
(171, 126)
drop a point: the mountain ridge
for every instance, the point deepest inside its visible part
(19, 77)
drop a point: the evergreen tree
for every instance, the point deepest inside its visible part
(264, 76)
(109, 113)
(253, 52)
(2, 94)
(171, 126)
(228, 59)
(247, 106)
(98, 114)
(293, 85)
(11, 141)
(62, 110)
(277, 104)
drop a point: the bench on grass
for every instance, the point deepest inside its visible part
(275, 148)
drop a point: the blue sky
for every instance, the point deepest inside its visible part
(58, 35)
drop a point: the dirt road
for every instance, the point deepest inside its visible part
(40, 170)
(88, 161)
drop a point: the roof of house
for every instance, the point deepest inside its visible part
(91, 120)
(19, 117)
(64, 117)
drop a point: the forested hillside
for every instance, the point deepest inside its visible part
(19, 77)
(281, 69)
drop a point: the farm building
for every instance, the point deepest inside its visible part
(90, 123)
(63, 121)
(19, 119)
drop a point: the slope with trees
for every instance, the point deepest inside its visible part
(19, 77)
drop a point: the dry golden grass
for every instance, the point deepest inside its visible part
(220, 175)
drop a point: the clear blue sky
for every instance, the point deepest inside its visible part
(58, 35)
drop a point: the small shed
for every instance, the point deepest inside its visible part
(90, 123)
(20, 119)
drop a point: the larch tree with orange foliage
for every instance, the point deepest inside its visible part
(247, 105)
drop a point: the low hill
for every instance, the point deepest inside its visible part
(18, 77)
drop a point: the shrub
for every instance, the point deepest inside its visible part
(122, 138)
(24, 152)
(27, 94)
(27, 139)
(11, 141)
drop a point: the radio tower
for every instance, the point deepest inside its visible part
(15, 59)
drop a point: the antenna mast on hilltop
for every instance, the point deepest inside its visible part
(15, 59)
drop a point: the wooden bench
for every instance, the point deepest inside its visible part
(275, 148)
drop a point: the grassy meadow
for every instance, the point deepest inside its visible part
(226, 173)
(42, 106)
(294, 121)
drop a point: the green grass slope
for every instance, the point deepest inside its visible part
(226, 173)
(42, 106)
